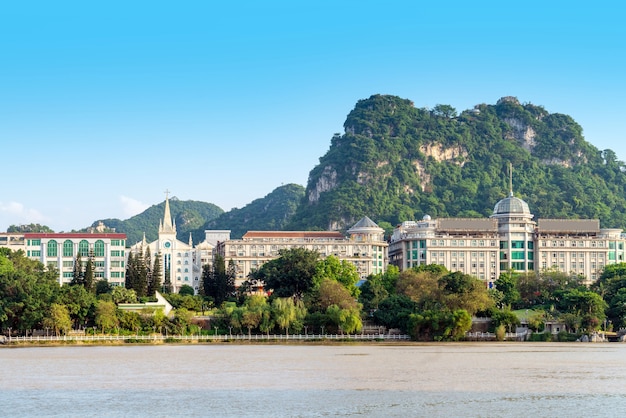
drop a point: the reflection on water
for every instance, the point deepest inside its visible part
(469, 379)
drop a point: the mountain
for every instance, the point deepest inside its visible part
(189, 216)
(272, 212)
(396, 162)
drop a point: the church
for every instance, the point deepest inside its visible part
(180, 260)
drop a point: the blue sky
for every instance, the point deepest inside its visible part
(105, 105)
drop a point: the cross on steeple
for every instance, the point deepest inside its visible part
(167, 193)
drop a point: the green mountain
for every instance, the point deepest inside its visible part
(189, 216)
(396, 162)
(272, 212)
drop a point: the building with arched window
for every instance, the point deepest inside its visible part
(60, 250)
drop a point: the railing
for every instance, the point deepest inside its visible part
(492, 336)
(208, 338)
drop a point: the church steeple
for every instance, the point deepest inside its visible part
(167, 225)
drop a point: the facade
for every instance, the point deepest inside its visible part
(182, 260)
(508, 240)
(364, 246)
(59, 251)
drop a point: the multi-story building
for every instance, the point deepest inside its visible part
(60, 250)
(508, 240)
(364, 246)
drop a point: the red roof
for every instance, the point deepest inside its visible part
(32, 235)
(294, 234)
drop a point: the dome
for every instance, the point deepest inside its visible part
(426, 218)
(513, 205)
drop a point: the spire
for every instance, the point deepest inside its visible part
(167, 225)
(190, 240)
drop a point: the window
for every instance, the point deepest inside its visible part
(52, 248)
(98, 248)
(68, 264)
(83, 248)
(68, 248)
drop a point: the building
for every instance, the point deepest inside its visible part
(60, 250)
(508, 240)
(364, 246)
(179, 259)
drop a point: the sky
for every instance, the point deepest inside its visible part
(106, 105)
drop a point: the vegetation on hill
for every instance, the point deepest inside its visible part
(396, 162)
(189, 216)
(270, 213)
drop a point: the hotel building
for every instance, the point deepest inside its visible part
(508, 240)
(364, 246)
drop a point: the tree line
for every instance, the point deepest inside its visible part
(301, 292)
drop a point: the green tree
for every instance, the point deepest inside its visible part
(58, 319)
(156, 276)
(341, 271)
(284, 311)
(123, 295)
(218, 282)
(27, 289)
(106, 316)
(186, 290)
(291, 274)
(88, 280)
(79, 302)
(78, 276)
(507, 284)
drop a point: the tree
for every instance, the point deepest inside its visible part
(123, 295)
(395, 311)
(156, 276)
(291, 274)
(341, 271)
(106, 316)
(88, 280)
(378, 287)
(285, 313)
(78, 277)
(80, 304)
(218, 282)
(507, 284)
(27, 289)
(58, 319)
(186, 290)
(332, 292)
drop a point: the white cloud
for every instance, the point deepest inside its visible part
(20, 214)
(132, 207)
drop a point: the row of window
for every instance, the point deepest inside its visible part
(581, 243)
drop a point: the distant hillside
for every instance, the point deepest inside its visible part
(396, 162)
(272, 212)
(189, 216)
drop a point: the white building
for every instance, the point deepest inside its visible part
(59, 251)
(178, 258)
(508, 240)
(365, 247)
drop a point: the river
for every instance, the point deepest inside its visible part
(306, 380)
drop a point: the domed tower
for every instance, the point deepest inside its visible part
(516, 229)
